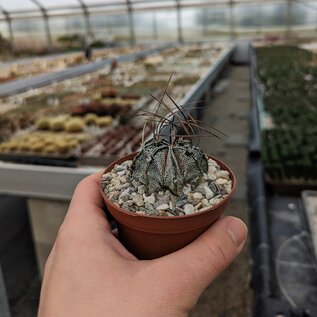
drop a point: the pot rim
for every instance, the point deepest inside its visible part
(133, 214)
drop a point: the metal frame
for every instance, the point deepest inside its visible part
(255, 134)
(131, 22)
(59, 182)
(179, 22)
(231, 19)
(86, 15)
(9, 23)
(46, 23)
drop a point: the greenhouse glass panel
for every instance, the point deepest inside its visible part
(302, 14)
(51, 4)
(147, 4)
(166, 21)
(102, 27)
(29, 34)
(17, 5)
(192, 25)
(215, 23)
(109, 28)
(120, 27)
(145, 25)
(303, 19)
(74, 25)
(91, 3)
(65, 12)
(251, 19)
(62, 27)
(26, 15)
(202, 2)
(4, 29)
(148, 26)
(57, 26)
(94, 5)
(312, 4)
(150, 1)
(205, 23)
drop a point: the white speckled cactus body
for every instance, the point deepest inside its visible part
(162, 165)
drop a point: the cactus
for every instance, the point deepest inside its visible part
(75, 125)
(160, 165)
(43, 124)
(90, 119)
(104, 121)
(58, 123)
(170, 161)
(51, 149)
(37, 147)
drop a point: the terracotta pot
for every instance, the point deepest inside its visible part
(149, 237)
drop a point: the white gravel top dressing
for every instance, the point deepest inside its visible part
(131, 195)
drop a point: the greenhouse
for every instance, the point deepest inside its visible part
(158, 158)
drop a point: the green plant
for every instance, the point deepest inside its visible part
(170, 160)
(289, 76)
(69, 38)
(98, 44)
(75, 125)
(161, 164)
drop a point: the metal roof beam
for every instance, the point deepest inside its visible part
(89, 33)
(179, 22)
(8, 19)
(131, 22)
(46, 22)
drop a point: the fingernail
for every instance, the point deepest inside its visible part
(237, 231)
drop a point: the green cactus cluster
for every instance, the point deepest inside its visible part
(290, 154)
(289, 76)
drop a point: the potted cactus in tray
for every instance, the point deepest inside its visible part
(166, 195)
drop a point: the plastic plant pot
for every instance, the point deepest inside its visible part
(149, 237)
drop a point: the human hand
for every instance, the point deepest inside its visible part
(90, 273)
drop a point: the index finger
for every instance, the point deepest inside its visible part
(87, 200)
(87, 192)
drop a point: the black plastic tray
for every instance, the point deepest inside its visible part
(290, 187)
(69, 161)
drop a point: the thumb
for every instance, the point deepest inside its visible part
(198, 264)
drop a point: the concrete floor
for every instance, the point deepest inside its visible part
(17, 258)
(230, 294)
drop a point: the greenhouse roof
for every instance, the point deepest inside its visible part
(56, 7)
(21, 9)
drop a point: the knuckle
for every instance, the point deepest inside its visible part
(82, 183)
(222, 256)
(219, 258)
